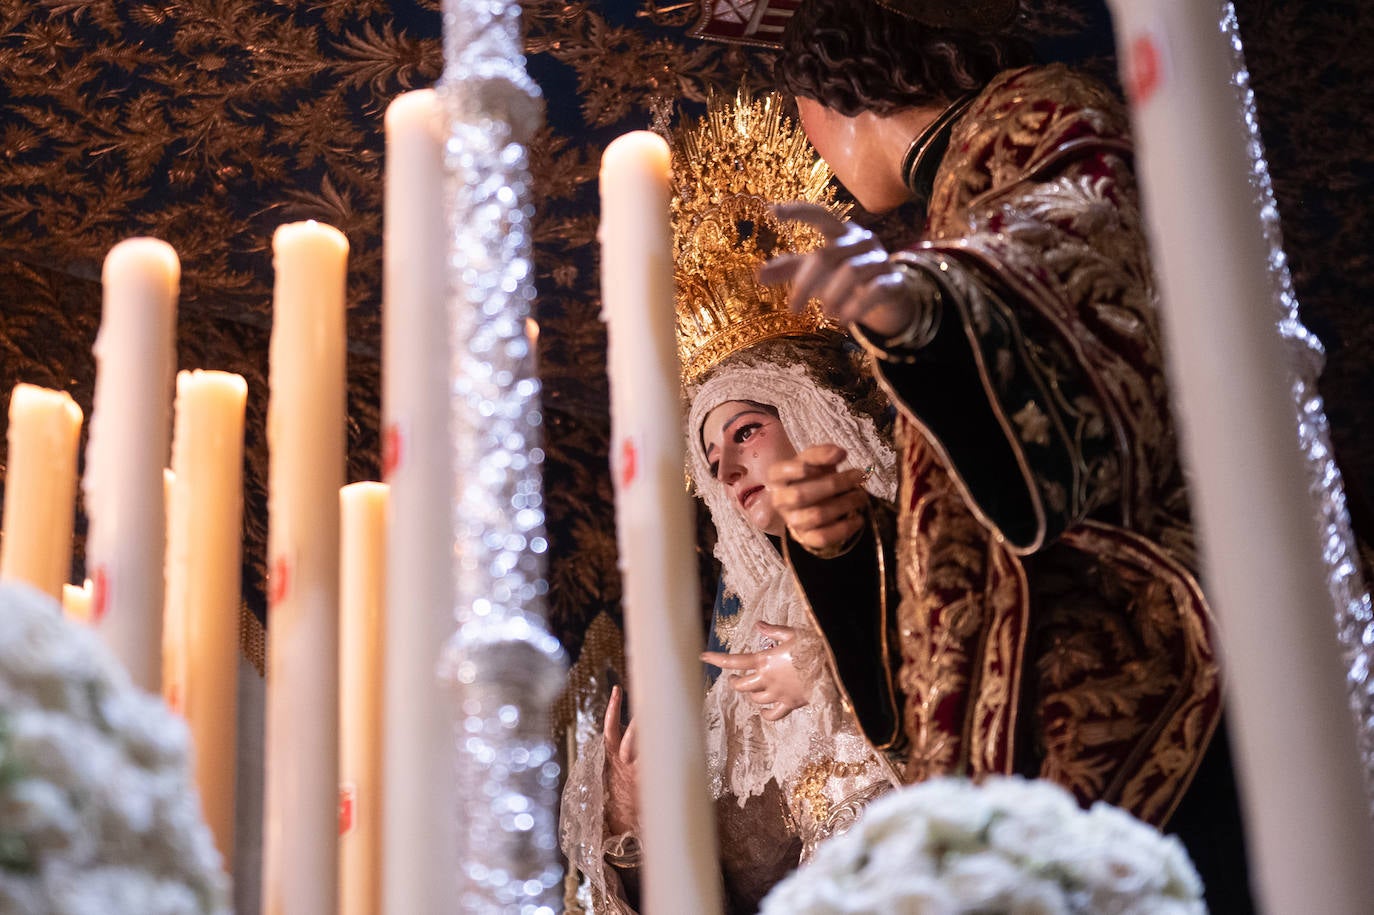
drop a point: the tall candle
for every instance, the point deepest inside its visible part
(174, 653)
(362, 637)
(305, 436)
(418, 829)
(205, 523)
(76, 602)
(40, 488)
(1307, 815)
(654, 526)
(130, 424)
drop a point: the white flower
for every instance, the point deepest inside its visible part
(981, 881)
(1038, 897)
(98, 812)
(1009, 846)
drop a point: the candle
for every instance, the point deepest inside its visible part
(204, 536)
(418, 829)
(362, 508)
(1307, 815)
(40, 488)
(135, 358)
(305, 436)
(76, 602)
(654, 526)
(173, 619)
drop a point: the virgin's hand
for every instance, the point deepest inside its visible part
(622, 781)
(767, 678)
(822, 506)
(851, 275)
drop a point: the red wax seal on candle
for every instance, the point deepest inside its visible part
(348, 805)
(100, 595)
(174, 698)
(1144, 69)
(278, 579)
(629, 463)
(391, 449)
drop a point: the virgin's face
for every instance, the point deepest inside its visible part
(742, 441)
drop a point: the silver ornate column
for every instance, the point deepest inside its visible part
(1349, 598)
(505, 666)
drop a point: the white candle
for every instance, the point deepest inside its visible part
(654, 526)
(1306, 812)
(362, 637)
(76, 602)
(40, 488)
(419, 837)
(305, 436)
(205, 523)
(130, 422)
(174, 654)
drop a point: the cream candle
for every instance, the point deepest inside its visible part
(654, 526)
(362, 638)
(305, 435)
(1307, 817)
(40, 488)
(130, 424)
(174, 658)
(205, 523)
(418, 829)
(76, 602)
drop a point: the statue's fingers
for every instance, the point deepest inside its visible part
(831, 535)
(818, 217)
(825, 513)
(776, 633)
(855, 291)
(610, 725)
(777, 712)
(780, 269)
(629, 747)
(751, 683)
(793, 470)
(730, 661)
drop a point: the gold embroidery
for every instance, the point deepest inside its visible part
(809, 791)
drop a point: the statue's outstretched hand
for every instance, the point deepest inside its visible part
(622, 781)
(823, 506)
(851, 275)
(769, 678)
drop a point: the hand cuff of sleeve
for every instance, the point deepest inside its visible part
(925, 319)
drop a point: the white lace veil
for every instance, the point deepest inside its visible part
(744, 751)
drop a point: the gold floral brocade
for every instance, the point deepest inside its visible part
(1079, 649)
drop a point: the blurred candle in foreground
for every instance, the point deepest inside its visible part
(76, 602)
(655, 527)
(205, 523)
(305, 439)
(419, 832)
(1307, 816)
(130, 425)
(362, 636)
(40, 488)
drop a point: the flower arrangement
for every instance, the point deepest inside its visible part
(98, 811)
(1007, 846)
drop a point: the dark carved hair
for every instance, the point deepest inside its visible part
(854, 55)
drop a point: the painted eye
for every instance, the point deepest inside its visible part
(746, 432)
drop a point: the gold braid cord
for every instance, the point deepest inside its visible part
(729, 169)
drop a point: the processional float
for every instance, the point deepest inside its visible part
(1279, 551)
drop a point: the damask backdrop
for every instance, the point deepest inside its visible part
(209, 122)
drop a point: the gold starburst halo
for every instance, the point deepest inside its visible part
(729, 168)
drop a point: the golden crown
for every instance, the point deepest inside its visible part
(729, 168)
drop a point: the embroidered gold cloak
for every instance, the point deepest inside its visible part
(1050, 622)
